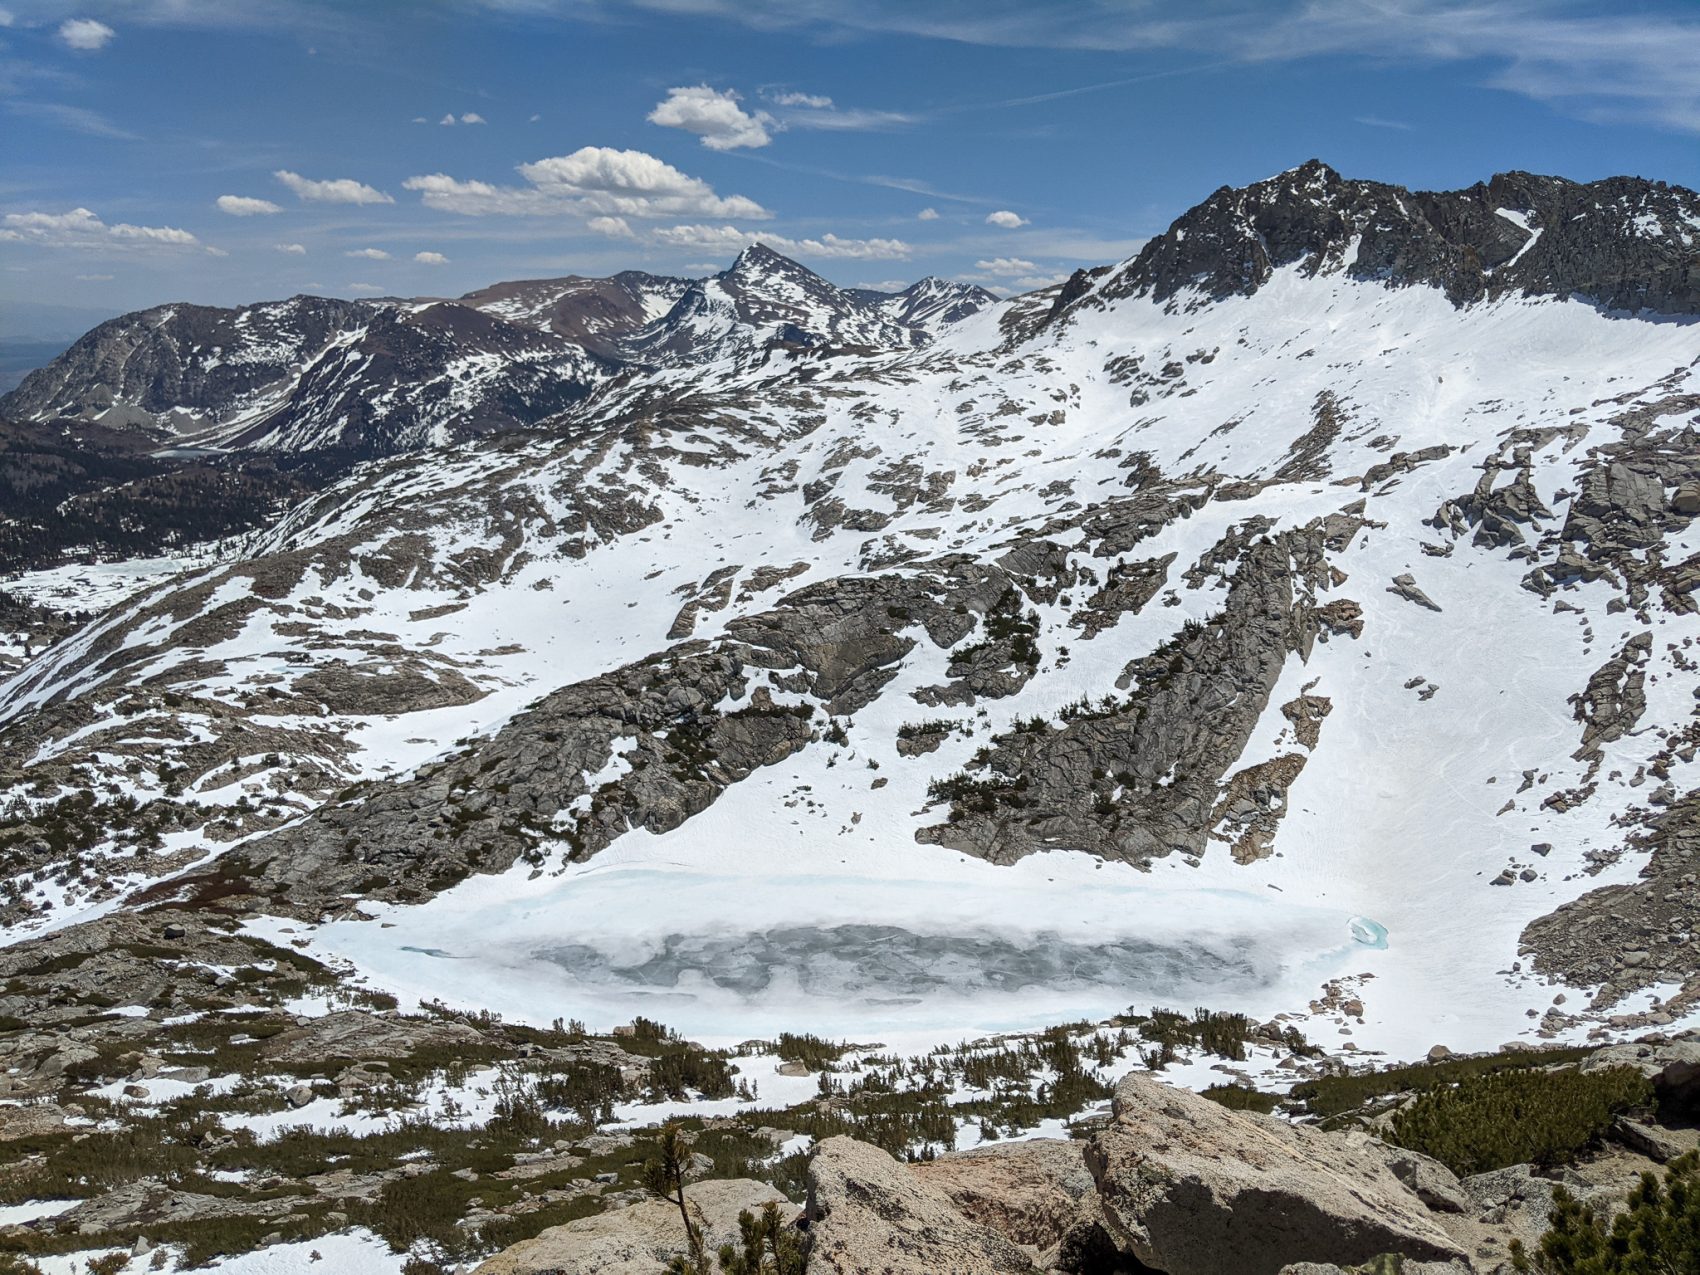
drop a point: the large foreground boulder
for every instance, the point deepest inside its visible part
(1038, 1193)
(1191, 1188)
(870, 1215)
(638, 1240)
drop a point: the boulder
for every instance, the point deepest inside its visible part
(1191, 1188)
(1035, 1192)
(30, 1121)
(1674, 1069)
(870, 1215)
(639, 1240)
(1428, 1179)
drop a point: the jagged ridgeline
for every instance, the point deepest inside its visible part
(1297, 615)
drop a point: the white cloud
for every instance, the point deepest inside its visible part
(592, 181)
(370, 254)
(534, 119)
(85, 34)
(813, 110)
(1603, 63)
(1034, 282)
(6, 20)
(613, 227)
(216, 252)
(1003, 217)
(713, 116)
(341, 190)
(430, 258)
(153, 234)
(801, 99)
(86, 278)
(81, 228)
(450, 120)
(293, 249)
(472, 117)
(1006, 266)
(1376, 121)
(243, 206)
(364, 287)
(420, 119)
(927, 214)
(729, 238)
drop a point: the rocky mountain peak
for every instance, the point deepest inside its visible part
(1623, 243)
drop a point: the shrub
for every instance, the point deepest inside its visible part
(1525, 1116)
(1242, 1098)
(1658, 1233)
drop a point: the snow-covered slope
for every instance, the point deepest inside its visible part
(364, 379)
(1292, 646)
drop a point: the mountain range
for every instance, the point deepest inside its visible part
(1299, 614)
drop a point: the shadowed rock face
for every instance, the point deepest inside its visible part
(1191, 1188)
(1622, 243)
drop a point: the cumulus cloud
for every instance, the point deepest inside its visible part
(1006, 219)
(451, 119)
(430, 258)
(340, 190)
(293, 249)
(370, 254)
(927, 214)
(472, 117)
(1006, 266)
(85, 34)
(81, 228)
(1034, 282)
(243, 206)
(714, 116)
(729, 238)
(216, 252)
(594, 181)
(613, 227)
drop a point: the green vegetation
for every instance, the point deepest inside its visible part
(1523, 1116)
(1333, 1096)
(1242, 1098)
(1658, 1233)
(813, 1052)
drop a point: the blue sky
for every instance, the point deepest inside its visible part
(232, 150)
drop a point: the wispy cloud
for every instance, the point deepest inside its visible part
(81, 228)
(729, 238)
(1628, 63)
(1375, 121)
(79, 119)
(339, 190)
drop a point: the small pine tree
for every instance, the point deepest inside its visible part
(770, 1246)
(665, 1175)
(1658, 1233)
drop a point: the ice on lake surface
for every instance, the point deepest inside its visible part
(887, 964)
(946, 948)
